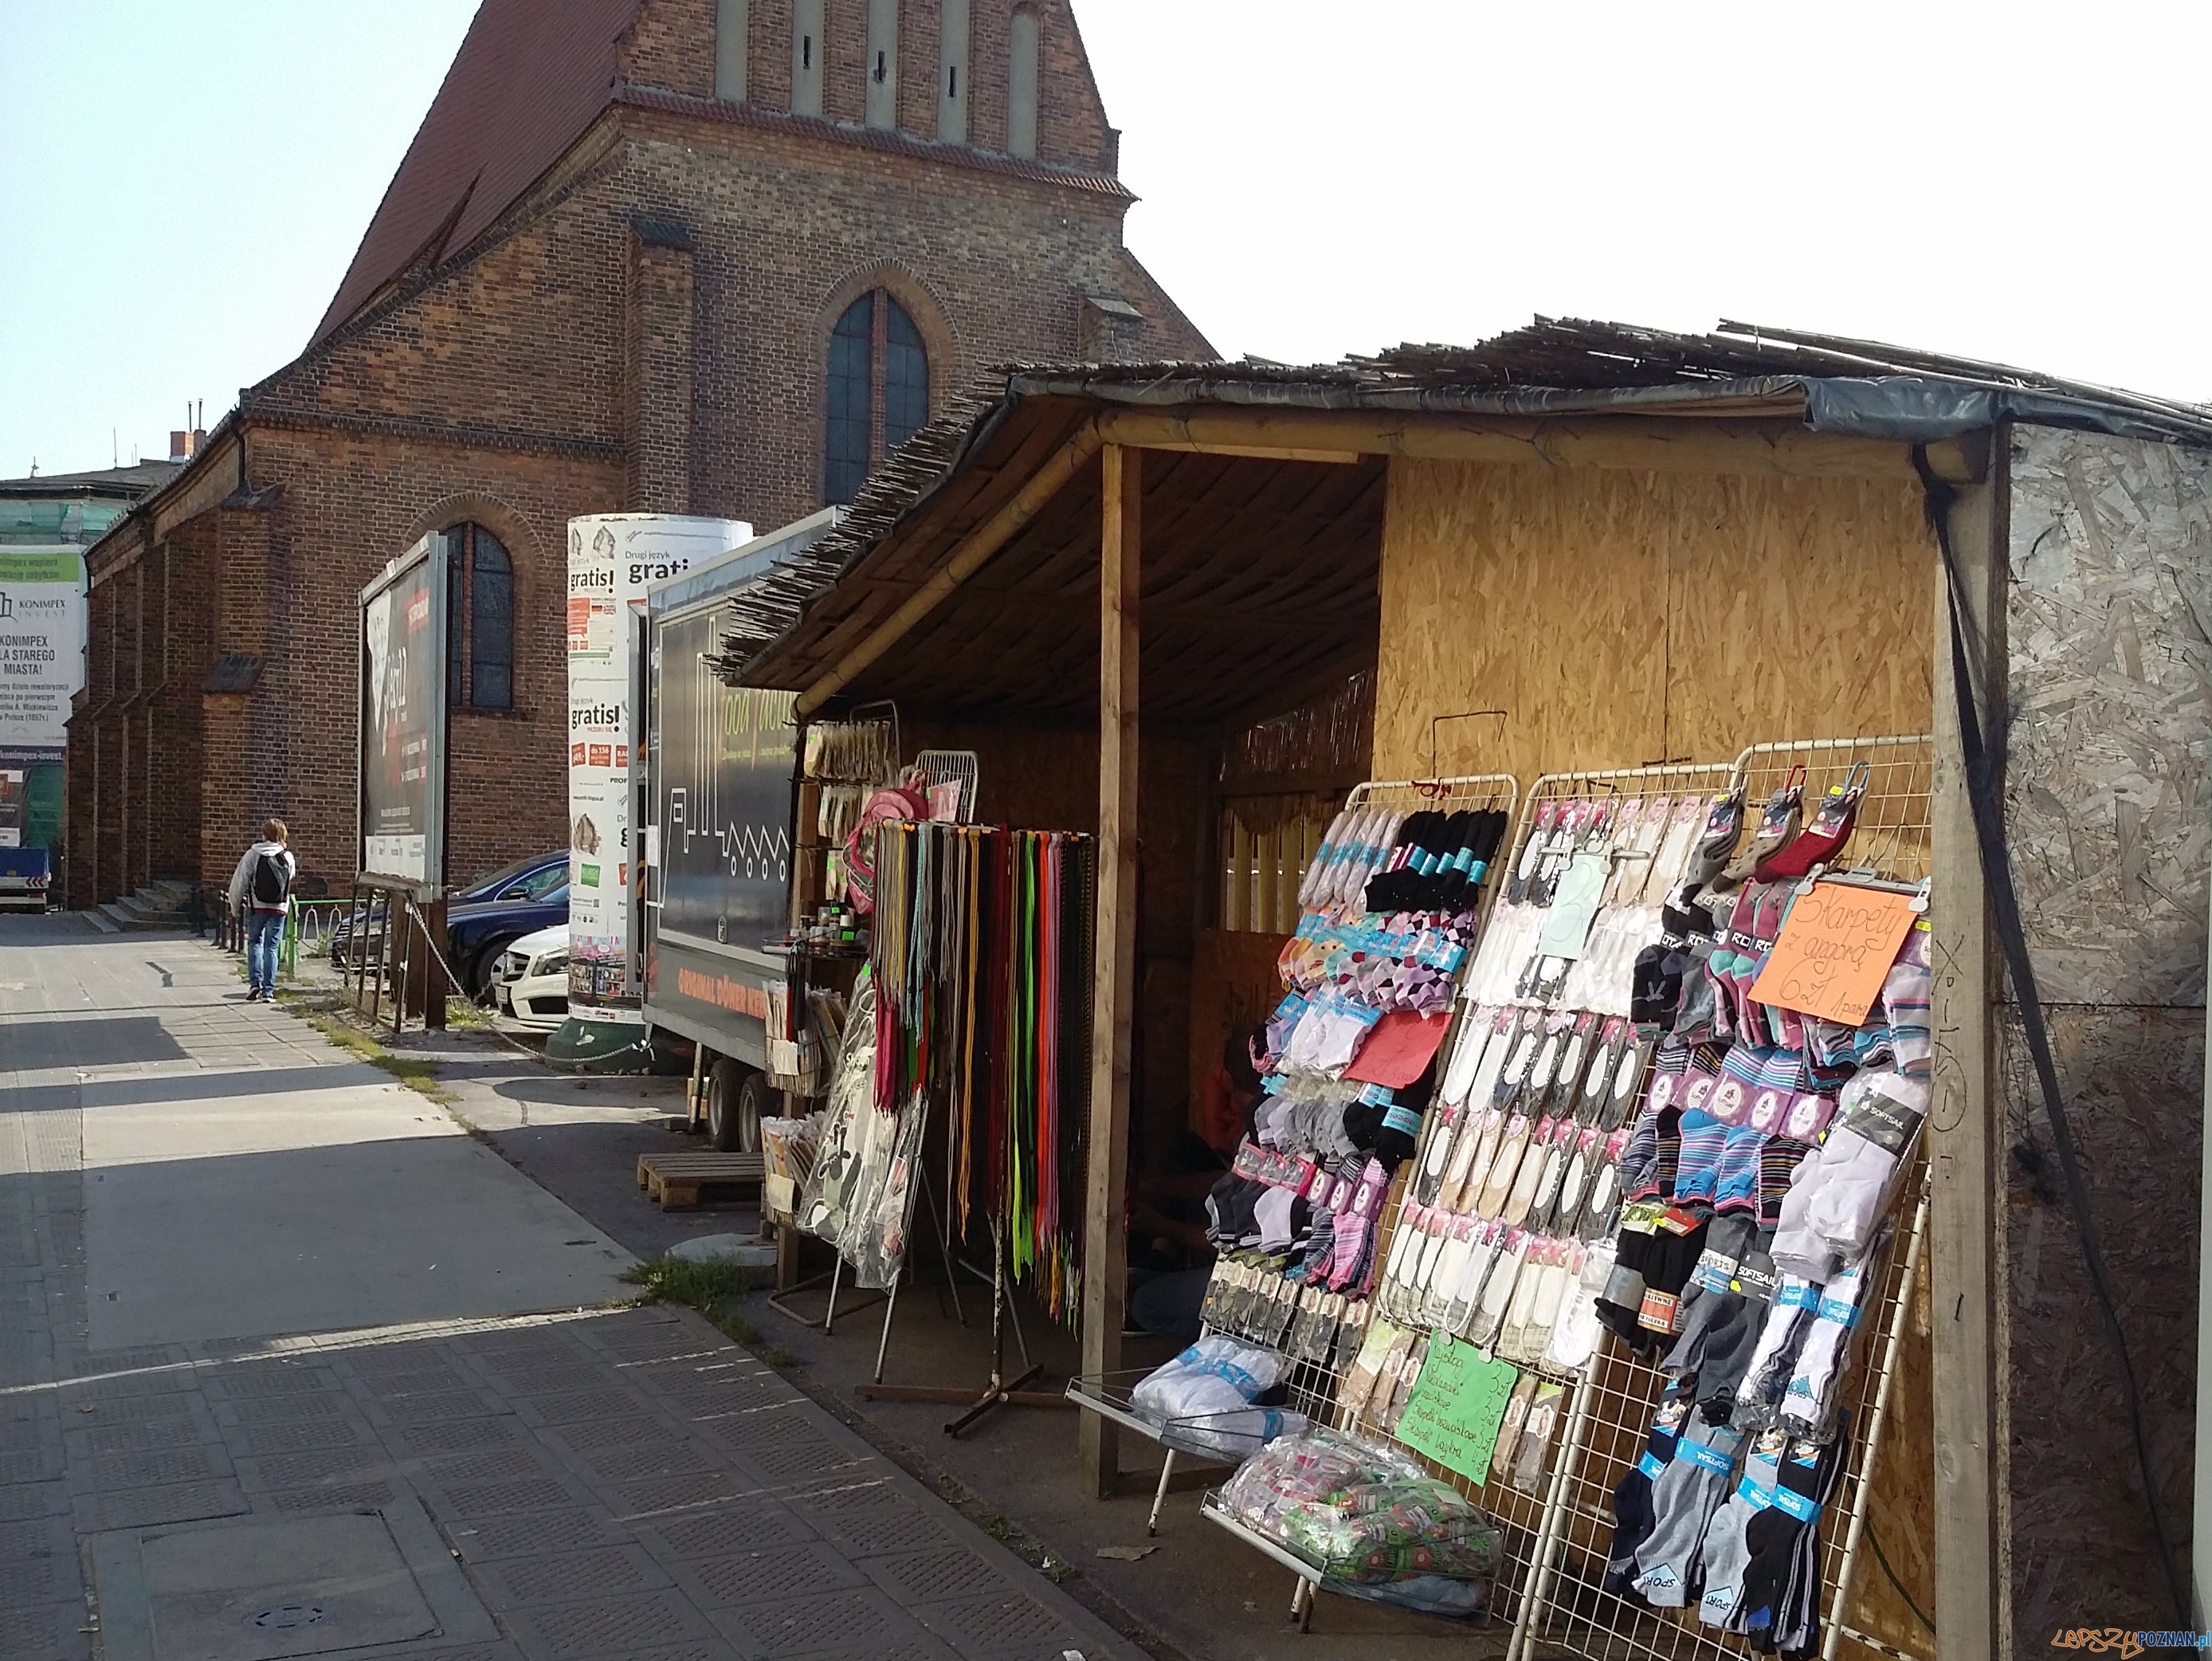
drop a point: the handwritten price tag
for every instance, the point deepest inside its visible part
(1834, 951)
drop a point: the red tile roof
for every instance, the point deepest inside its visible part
(531, 76)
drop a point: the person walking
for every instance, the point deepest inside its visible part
(263, 885)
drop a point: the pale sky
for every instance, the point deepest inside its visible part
(181, 186)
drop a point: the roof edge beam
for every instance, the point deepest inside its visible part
(967, 559)
(1633, 443)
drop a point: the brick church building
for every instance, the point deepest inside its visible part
(686, 256)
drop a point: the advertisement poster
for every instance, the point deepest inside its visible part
(42, 624)
(403, 716)
(613, 559)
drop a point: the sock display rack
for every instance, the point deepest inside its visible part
(1582, 1415)
(1568, 1604)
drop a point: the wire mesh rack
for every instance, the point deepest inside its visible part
(1523, 1514)
(1566, 1607)
(1895, 837)
(1551, 1584)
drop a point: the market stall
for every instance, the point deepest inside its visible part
(1648, 562)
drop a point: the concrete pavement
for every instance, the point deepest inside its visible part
(290, 1364)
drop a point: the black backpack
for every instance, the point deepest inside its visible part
(272, 881)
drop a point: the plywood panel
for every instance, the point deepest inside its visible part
(2134, 1080)
(1623, 618)
(2110, 774)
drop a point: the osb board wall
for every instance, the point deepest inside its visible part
(2108, 813)
(1621, 617)
(1233, 983)
(2081, 1545)
(2110, 794)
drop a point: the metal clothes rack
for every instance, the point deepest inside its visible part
(1556, 1540)
(1564, 1601)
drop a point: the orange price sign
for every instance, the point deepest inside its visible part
(1835, 950)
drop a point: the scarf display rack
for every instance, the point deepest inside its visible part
(981, 953)
(1591, 1414)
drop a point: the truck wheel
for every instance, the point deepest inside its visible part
(737, 1099)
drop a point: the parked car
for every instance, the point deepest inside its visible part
(478, 936)
(525, 879)
(532, 986)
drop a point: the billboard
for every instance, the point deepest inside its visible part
(403, 718)
(613, 558)
(42, 634)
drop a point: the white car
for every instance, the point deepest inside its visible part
(533, 985)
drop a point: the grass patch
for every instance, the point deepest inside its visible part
(416, 1073)
(711, 1287)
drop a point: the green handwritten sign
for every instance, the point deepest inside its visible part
(1456, 1407)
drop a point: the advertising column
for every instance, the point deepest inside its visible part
(613, 558)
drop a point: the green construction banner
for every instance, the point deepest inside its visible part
(41, 565)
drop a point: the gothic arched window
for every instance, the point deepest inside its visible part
(879, 390)
(480, 620)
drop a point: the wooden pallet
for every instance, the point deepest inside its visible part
(675, 1179)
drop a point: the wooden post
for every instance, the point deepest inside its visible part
(1967, 1130)
(1113, 974)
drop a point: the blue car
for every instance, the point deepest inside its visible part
(477, 935)
(529, 879)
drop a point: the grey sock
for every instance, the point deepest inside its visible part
(1683, 1501)
(1724, 1555)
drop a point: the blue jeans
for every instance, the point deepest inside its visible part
(264, 936)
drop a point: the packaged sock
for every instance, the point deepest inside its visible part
(1574, 1335)
(1773, 1537)
(1726, 1552)
(1683, 1501)
(1810, 1401)
(1758, 1397)
(1732, 1340)
(1509, 1429)
(1631, 1495)
(1723, 830)
(1530, 1455)
(1819, 841)
(1497, 1289)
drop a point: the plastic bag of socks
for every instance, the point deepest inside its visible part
(1574, 1335)
(1707, 1299)
(1774, 1357)
(1508, 1428)
(1730, 1341)
(1779, 1609)
(1498, 1287)
(1464, 1303)
(1811, 1399)
(1842, 1189)
(1531, 1455)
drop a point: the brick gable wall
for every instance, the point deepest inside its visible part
(650, 331)
(673, 46)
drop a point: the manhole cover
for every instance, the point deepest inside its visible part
(290, 1615)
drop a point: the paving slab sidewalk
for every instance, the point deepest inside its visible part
(614, 1482)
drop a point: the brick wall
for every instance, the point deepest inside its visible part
(673, 46)
(651, 330)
